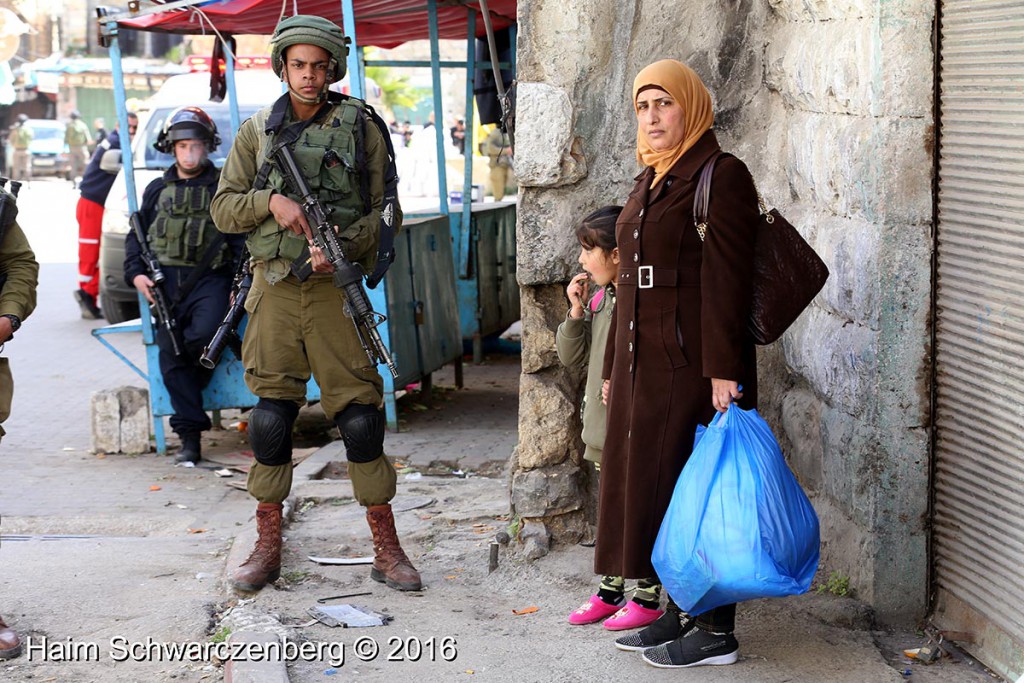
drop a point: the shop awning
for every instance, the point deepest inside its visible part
(383, 23)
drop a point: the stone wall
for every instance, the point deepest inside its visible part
(829, 103)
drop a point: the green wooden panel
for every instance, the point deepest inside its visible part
(99, 102)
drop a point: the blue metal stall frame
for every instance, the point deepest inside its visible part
(479, 313)
(227, 388)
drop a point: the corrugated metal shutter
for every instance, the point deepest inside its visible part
(979, 474)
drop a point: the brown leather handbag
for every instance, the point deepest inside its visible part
(788, 273)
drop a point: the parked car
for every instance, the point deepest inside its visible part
(49, 153)
(256, 89)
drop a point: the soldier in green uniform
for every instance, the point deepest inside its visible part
(19, 274)
(21, 137)
(300, 327)
(78, 139)
(498, 146)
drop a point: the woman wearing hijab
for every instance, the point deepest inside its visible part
(678, 349)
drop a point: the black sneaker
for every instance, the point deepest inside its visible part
(87, 302)
(696, 648)
(665, 629)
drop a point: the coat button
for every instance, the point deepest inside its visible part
(641, 213)
(636, 258)
(636, 234)
(630, 324)
(631, 347)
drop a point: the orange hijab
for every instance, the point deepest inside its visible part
(685, 86)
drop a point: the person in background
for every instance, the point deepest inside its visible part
(95, 186)
(19, 277)
(78, 139)
(197, 261)
(498, 147)
(458, 135)
(21, 137)
(678, 350)
(100, 128)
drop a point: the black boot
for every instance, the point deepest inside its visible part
(190, 448)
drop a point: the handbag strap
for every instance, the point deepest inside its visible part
(702, 197)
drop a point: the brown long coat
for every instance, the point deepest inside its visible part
(667, 342)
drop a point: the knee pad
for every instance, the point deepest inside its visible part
(362, 430)
(270, 431)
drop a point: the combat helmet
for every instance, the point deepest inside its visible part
(306, 29)
(187, 123)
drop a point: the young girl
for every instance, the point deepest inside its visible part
(581, 339)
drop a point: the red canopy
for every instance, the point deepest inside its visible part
(384, 23)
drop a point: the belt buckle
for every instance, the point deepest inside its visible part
(645, 272)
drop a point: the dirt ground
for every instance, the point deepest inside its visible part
(509, 624)
(468, 623)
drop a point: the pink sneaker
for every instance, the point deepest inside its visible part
(593, 611)
(633, 615)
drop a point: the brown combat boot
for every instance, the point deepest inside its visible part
(10, 644)
(264, 563)
(390, 565)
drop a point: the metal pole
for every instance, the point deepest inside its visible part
(120, 100)
(355, 53)
(229, 74)
(435, 72)
(467, 183)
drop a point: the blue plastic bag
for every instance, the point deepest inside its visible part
(738, 526)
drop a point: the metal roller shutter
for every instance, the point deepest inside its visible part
(978, 525)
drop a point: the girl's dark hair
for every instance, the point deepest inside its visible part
(598, 229)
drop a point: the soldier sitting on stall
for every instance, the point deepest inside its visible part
(198, 263)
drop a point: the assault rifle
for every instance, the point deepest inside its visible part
(227, 332)
(160, 307)
(347, 275)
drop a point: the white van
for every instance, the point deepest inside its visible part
(256, 89)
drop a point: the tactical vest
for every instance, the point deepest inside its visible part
(183, 229)
(326, 153)
(77, 134)
(21, 137)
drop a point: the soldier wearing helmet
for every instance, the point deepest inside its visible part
(197, 261)
(298, 327)
(21, 137)
(78, 139)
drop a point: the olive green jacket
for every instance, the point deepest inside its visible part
(237, 208)
(17, 261)
(581, 342)
(18, 297)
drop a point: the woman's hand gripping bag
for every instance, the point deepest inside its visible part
(738, 526)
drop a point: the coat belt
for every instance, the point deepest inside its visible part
(646, 277)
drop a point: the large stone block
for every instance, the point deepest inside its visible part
(850, 247)
(835, 162)
(852, 462)
(823, 67)
(544, 310)
(822, 10)
(547, 491)
(105, 416)
(549, 432)
(545, 154)
(838, 358)
(801, 421)
(120, 420)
